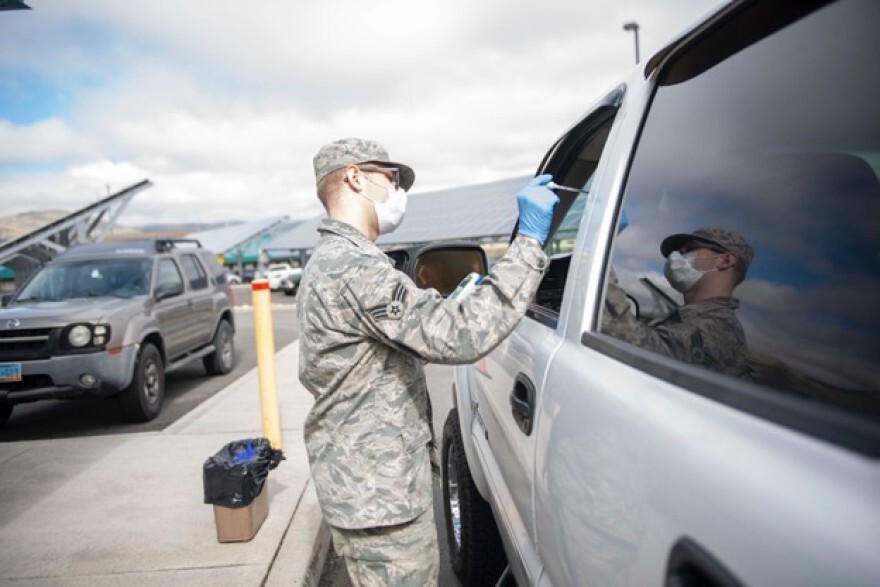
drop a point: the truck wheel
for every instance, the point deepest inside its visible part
(475, 548)
(142, 400)
(5, 413)
(222, 360)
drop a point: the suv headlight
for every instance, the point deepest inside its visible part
(79, 336)
(84, 336)
(100, 334)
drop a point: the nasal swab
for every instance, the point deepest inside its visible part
(555, 186)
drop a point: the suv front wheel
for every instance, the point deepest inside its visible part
(222, 360)
(142, 400)
(475, 548)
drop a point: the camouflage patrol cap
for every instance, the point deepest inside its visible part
(353, 151)
(720, 238)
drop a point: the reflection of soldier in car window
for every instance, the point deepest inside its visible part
(705, 266)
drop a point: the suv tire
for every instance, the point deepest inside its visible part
(222, 360)
(475, 548)
(142, 400)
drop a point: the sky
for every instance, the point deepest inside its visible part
(222, 105)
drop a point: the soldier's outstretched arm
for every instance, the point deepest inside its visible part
(422, 322)
(440, 330)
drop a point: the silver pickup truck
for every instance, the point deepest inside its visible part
(694, 396)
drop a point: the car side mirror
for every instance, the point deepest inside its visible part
(441, 266)
(168, 290)
(5, 299)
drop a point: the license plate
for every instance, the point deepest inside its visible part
(10, 372)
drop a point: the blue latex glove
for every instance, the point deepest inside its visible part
(536, 203)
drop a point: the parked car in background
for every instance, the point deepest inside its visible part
(578, 455)
(233, 278)
(277, 272)
(111, 319)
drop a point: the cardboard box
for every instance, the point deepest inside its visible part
(241, 524)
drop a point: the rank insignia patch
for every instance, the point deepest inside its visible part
(394, 309)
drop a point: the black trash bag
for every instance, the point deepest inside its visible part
(235, 475)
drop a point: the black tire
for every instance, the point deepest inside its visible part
(222, 360)
(475, 548)
(142, 400)
(5, 413)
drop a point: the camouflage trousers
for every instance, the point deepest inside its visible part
(404, 555)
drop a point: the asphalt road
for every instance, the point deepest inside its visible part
(184, 389)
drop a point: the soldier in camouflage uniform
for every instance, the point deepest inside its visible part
(705, 266)
(367, 331)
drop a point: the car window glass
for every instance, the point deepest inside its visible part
(213, 266)
(195, 274)
(115, 277)
(169, 274)
(577, 173)
(774, 150)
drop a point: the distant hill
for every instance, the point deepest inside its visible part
(12, 227)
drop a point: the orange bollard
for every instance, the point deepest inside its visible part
(265, 343)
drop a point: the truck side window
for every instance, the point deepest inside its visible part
(579, 173)
(169, 274)
(752, 247)
(195, 274)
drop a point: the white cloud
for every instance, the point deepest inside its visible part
(230, 102)
(45, 141)
(108, 172)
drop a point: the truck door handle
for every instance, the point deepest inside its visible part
(522, 403)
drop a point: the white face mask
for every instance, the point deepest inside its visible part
(680, 270)
(390, 212)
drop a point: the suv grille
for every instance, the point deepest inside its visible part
(27, 343)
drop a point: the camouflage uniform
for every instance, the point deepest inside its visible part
(705, 333)
(366, 332)
(402, 555)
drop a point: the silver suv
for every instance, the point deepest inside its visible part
(111, 319)
(599, 446)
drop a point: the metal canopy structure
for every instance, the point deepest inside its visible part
(485, 211)
(241, 244)
(92, 223)
(302, 237)
(13, 5)
(476, 212)
(228, 240)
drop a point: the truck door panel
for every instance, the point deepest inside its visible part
(510, 393)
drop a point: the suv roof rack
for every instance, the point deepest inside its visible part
(166, 244)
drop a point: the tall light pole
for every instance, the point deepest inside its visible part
(634, 27)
